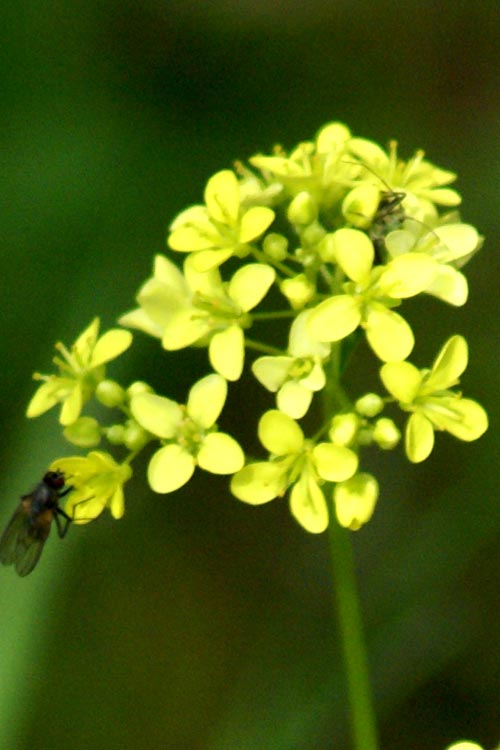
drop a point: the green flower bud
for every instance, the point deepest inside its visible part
(326, 248)
(85, 432)
(303, 209)
(369, 405)
(343, 429)
(138, 387)
(312, 235)
(134, 436)
(386, 434)
(110, 393)
(115, 434)
(276, 246)
(298, 291)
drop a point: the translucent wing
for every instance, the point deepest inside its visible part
(22, 542)
(8, 542)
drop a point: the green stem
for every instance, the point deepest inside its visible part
(362, 714)
(264, 348)
(276, 315)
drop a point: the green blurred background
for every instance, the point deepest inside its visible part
(198, 623)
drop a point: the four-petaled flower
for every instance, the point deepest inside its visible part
(297, 463)
(222, 227)
(198, 308)
(188, 433)
(369, 296)
(296, 377)
(427, 394)
(97, 481)
(450, 245)
(81, 369)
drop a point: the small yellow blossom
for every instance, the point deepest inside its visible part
(433, 406)
(199, 308)
(449, 245)
(188, 433)
(296, 377)
(294, 463)
(370, 295)
(97, 482)
(222, 227)
(81, 369)
(422, 183)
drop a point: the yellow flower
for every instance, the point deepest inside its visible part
(370, 295)
(97, 482)
(222, 227)
(421, 181)
(294, 463)
(450, 245)
(296, 377)
(433, 405)
(188, 433)
(198, 308)
(81, 369)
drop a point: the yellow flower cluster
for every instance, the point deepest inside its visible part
(330, 239)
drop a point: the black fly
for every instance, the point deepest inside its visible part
(22, 541)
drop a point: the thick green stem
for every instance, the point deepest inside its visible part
(362, 715)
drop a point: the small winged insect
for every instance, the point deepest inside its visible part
(22, 541)
(389, 215)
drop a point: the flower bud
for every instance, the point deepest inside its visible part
(303, 209)
(369, 405)
(275, 246)
(85, 432)
(110, 393)
(386, 434)
(298, 291)
(343, 429)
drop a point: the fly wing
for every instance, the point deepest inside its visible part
(28, 551)
(21, 543)
(8, 543)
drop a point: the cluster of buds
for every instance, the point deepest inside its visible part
(330, 240)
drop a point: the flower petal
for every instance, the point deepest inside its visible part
(220, 454)
(293, 399)
(183, 328)
(335, 463)
(279, 433)
(157, 414)
(402, 380)
(419, 438)
(222, 197)
(250, 285)
(449, 364)
(449, 285)
(170, 467)
(272, 371)
(227, 352)
(388, 334)
(354, 252)
(308, 505)
(206, 400)
(335, 318)
(408, 275)
(255, 222)
(259, 483)
(109, 346)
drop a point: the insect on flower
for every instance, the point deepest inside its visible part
(22, 541)
(389, 214)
